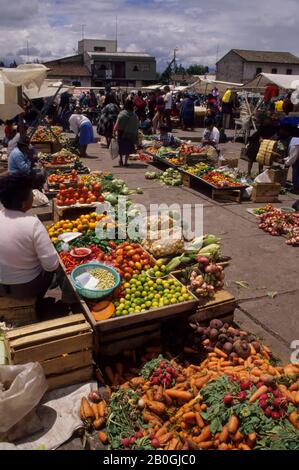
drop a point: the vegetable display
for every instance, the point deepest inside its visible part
(105, 278)
(220, 404)
(67, 178)
(43, 134)
(84, 223)
(198, 169)
(220, 179)
(63, 157)
(70, 262)
(278, 223)
(171, 177)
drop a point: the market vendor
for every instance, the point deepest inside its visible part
(28, 259)
(82, 128)
(167, 139)
(22, 160)
(288, 135)
(211, 134)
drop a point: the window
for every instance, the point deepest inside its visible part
(258, 70)
(135, 68)
(99, 49)
(289, 71)
(274, 71)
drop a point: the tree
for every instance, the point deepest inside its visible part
(197, 69)
(2, 63)
(13, 65)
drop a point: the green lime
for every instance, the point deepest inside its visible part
(155, 305)
(163, 268)
(166, 291)
(122, 301)
(158, 274)
(159, 262)
(159, 281)
(124, 312)
(131, 310)
(186, 296)
(157, 296)
(181, 298)
(173, 300)
(148, 303)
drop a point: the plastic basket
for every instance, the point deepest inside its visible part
(93, 293)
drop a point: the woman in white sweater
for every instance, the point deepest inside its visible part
(28, 259)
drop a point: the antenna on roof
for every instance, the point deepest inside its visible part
(82, 28)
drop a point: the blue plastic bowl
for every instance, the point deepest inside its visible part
(93, 293)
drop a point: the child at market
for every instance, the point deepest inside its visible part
(211, 134)
(167, 139)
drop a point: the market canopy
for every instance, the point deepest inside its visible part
(25, 75)
(47, 89)
(206, 85)
(285, 82)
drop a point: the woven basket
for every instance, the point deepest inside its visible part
(267, 152)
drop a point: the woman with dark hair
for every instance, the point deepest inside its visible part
(187, 113)
(126, 126)
(82, 128)
(28, 259)
(107, 120)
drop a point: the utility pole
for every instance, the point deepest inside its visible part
(217, 55)
(27, 52)
(116, 32)
(174, 58)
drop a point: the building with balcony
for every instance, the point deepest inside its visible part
(98, 63)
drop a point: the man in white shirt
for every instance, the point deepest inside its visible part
(168, 107)
(211, 134)
(293, 159)
(28, 259)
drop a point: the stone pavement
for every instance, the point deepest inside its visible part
(266, 263)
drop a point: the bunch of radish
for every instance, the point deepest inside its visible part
(165, 375)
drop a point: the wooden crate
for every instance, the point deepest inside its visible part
(230, 162)
(194, 158)
(265, 192)
(72, 212)
(18, 312)
(186, 179)
(234, 195)
(278, 175)
(222, 306)
(62, 346)
(47, 147)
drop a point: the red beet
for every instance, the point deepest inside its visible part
(276, 402)
(263, 404)
(276, 393)
(259, 384)
(245, 385)
(242, 396)
(132, 440)
(264, 396)
(268, 412)
(275, 415)
(126, 442)
(231, 378)
(228, 399)
(155, 443)
(139, 434)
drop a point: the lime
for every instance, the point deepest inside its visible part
(186, 296)
(159, 262)
(127, 297)
(122, 301)
(160, 288)
(181, 298)
(159, 281)
(144, 293)
(150, 296)
(124, 312)
(151, 289)
(166, 302)
(118, 313)
(163, 268)
(155, 305)
(166, 291)
(166, 284)
(158, 274)
(157, 296)
(148, 303)
(131, 310)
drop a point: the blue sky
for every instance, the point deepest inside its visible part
(197, 27)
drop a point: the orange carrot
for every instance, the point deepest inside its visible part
(199, 420)
(296, 398)
(102, 408)
(244, 447)
(166, 437)
(179, 395)
(95, 410)
(237, 437)
(233, 424)
(87, 411)
(197, 407)
(223, 446)
(159, 393)
(188, 416)
(251, 439)
(206, 444)
(203, 407)
(156, 407)
(258, 393)
(294, 419)
(167, 399)
(103, 437)
(220, 353)
(224, 435)
(173, 444)
(98, 423)
(149, 418)
(162, 430)
(205, 434)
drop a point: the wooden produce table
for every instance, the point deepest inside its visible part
(72, 212)
(265, 192)
(47, 146)
(62, 346)
(222, 306)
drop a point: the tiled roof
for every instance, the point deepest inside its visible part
(68, 69)
(267, 56)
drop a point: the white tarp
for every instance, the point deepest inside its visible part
(285, 82)
(25, 75)
(48, 89)
(206, 85)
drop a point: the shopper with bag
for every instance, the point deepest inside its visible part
(126, 126)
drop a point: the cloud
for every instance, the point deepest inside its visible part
(198, 28)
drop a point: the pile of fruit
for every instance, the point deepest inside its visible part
(67, 178)
(83, 224)
(198, 169)
(220, 179)
(263, 210)
(177, 161)
(279, 223)
(43, 134)
(71, 262)
(142, 293)
(82, 195)
(189, 149)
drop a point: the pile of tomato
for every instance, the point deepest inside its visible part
(63, 179)
(220, 180)
(82, 195)
(70, 262)
(127, 258)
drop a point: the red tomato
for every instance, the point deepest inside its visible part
(88, 201)
(93, 199)
(127, 276)
(130, 253)
(128, 270)
(81, 200)
(131, 264)
(139, 251)
(101, 199)
(119, 259)
(67, 202)
(119, 252)
(138, 266)
(61, 186)
(136, 257)
(76, 196)
(72, 202)
(85, 190)
(97, 187)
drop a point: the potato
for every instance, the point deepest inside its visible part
(216, 324)
(227, 347)
(213, 333)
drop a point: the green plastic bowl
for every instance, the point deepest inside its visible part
(93, 293)
(287, 209)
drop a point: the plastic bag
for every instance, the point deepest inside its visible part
(21, 389)
(263, 177)
(164, 243)
(39, 199)
(114, 149)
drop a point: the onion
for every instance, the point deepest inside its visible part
(141, 404)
